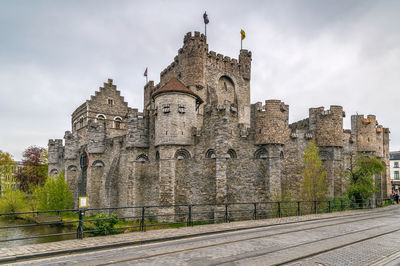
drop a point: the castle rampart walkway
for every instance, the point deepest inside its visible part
(344, 238)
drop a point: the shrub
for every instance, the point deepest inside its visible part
(13, 200)
(55, 194)
(105, 226)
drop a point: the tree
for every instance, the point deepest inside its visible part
(34, 169)
(361, 182)
(7, 165)
(314, 184)
(55, 194)
(13, 200)
(6, 159)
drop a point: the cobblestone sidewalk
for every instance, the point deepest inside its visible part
(136, 238)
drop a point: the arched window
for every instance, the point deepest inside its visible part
(81, 122)
(282, 155)
(182, 154)
(142, 158)
(232, 154)
(210, 154)
(72, 168)
(98, 163)
(157, 156)
(117, 122)
(100, 117)
(53, 172)
(261, 153)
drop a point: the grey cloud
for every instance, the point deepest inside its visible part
(54, 55)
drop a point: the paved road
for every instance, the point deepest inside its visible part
(360, 239)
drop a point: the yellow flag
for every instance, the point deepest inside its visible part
(243, 34)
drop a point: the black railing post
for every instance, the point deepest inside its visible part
(142, 226)
(279, 209)
(329, 206)
(341, 205)
(298, 208)
(255, 211)
(315, 206)
(226, 213)
(79, 231)
(189, 222)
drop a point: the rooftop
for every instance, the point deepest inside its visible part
(175, 85)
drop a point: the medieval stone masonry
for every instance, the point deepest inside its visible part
(199, 140)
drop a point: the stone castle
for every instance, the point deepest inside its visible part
(200, 140)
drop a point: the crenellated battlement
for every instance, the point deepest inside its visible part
(137, 129)
(327, 125)
(367, 131)
(54, 143)
(55, 151)
(194, 37)
(71, 146)
(271, 122)
(194, 56)
(225, 63)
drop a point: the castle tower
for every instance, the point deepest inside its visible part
(56, 156)
(327, 126)
(327, 129)
(175, 105)
(175, 110)
(96, 136)
(245, 64)
(137, 134)
(271, 125)
(365, 131)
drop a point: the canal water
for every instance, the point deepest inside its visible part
(30, 231)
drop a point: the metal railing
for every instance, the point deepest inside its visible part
(139, 218)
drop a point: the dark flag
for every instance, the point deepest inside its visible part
(205, 17)
(145, 72)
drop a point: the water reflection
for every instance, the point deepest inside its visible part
(31, 231)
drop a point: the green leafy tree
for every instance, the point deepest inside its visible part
(361, 178)
(7, 165)
(314, 176)
(54, 195)
(34, 170)
(6, 159)
(12, 200)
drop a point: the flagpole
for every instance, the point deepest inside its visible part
(206, 21)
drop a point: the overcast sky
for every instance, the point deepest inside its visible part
(55, 54)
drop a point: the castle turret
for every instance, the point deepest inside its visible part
(96, 136)
(271, 123)
(55, 156)
(245, 64)
(71, 146)
(137, 130)
(365, 131)
(189, 65)
(148, 89)
(176, 114)
(327, 126)
(271, 126)
(55, 150)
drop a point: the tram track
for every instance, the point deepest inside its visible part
(304, 224)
